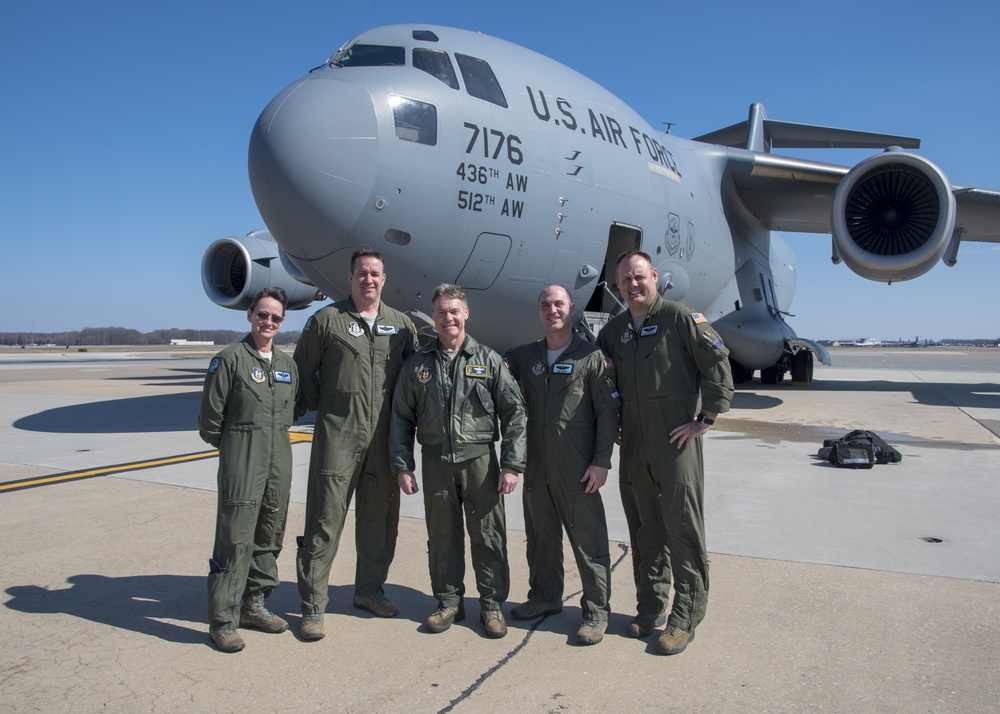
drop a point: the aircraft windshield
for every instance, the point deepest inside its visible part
(359, 55)
(437, 64)
(479, 79)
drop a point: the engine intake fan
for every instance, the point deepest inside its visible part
(893, 216)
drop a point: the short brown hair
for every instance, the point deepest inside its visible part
(273, 293)
(366, 253)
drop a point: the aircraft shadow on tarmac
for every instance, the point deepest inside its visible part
(196, 378)
(142, 603)
(134, 415)
(179, 412)
(985, 395)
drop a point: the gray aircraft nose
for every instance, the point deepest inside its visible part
(313, 162)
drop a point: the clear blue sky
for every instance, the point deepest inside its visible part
(124, 129)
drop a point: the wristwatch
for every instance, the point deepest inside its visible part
(703, 419)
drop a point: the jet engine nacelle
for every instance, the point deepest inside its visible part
(893, 217)
(234, 270)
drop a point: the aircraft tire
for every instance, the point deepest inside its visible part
(802, 367)
(769, 375)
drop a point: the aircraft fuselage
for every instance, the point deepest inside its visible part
(505, 174)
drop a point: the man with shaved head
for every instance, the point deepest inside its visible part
(572, 423)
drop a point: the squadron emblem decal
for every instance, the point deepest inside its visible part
(355, 330)
(424, 375)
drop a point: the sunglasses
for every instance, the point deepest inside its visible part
(276, 319)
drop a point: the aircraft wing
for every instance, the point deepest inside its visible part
(788, 194)
(978, 214)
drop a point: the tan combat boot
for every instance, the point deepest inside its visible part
(442, 618)
(312, 628)
(227, 639)
(254, 613)
(644, 623)
(494, 624)
(674, 640)
(591, 632)
(377, 604)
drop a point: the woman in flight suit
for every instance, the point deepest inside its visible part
(247, 407)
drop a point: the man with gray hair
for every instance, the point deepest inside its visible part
(450, 395)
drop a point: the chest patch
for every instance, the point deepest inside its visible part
(538, 368)
(425, 375)
(385, 329)
(354, 330)
(562, 368)
(627, 335)
(283, 377)
(649, 330)
(479, 371)
(257, 375)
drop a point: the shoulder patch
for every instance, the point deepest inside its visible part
(213, 365)
(698, 318)
(712, 338)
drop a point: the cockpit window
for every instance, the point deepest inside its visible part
(359, 55)
(415, 121)
(437, 64)
(425, 36)
(480, 81)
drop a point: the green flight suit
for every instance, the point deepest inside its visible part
(247, 406)
(572, 423)
(668, 369)
(453, 406)
(348, 373)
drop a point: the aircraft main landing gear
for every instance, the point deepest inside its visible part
(802, 368)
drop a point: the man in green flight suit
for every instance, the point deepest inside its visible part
(247, 406)
(674, 378)
(349, 356)
(572, 424)
(451, 394)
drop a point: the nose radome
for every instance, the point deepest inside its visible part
(313, 162)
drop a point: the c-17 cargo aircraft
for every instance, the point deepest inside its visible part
(467, 159)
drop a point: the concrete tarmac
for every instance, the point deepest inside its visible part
(832, 590)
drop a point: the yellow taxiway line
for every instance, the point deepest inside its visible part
(295, 437)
